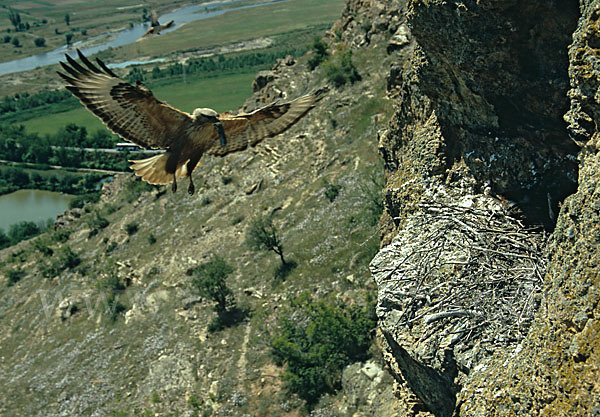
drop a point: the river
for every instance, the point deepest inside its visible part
(31, 205)
(180, 16)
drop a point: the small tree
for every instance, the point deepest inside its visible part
(69, 38)
(262, 235)
(22, 230)
(15, 19)
(319, 53)
(209, 280)
(67, 19)
(14, 276)
(331, 191)
(316, 339)
(67, 259)
(131, 228)
(341, 70)
(40, 42)
(4, 239)
(16, 43)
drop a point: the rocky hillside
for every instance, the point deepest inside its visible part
(488, 273)
(101, 316)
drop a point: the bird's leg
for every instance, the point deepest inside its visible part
(221, 131)
(174, 187)
(191, 188)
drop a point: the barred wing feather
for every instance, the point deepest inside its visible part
(129, 110)
(247, 129)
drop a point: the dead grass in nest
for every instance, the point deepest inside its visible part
(470, 274)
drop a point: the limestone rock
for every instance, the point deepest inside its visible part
(262, 79)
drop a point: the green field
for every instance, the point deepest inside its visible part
(226, 92)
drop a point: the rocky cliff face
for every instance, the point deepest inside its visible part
(482, 313)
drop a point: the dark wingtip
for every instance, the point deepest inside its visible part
(76, 66)
(87, 62)
(65, 77)
(106, 69)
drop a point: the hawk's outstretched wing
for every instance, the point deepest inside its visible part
(247, 129)
(131, 111)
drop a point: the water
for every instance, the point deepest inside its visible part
(125, 37)
(31, 205)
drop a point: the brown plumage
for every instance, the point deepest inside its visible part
(134, 113)
(155, 27)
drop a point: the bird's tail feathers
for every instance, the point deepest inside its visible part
(154, 169)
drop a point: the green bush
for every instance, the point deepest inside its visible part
(67, 259)
(61, 235)
(111, 283)
(209, 281)
(205, 201)
(64, 259)
(131, 228)
(22, 230)
(4, 239)
(371, 191)
(332, 191)
(319, 49)
(317, 339)
(96, 223)
(39, 42)
(151, 239)
(111, 247)
(42, 244)
(341, 70)
(14, 276)
(114, 307)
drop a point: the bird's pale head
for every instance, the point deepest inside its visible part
(204, 114)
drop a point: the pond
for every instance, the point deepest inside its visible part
(125, 37)
(31, 205)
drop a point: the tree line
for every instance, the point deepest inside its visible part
(219, 63)
(21, 231)
(13, 179)
(62, 148)
(26, 101)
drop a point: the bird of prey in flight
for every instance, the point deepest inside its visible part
(155, 27)
(134, 113)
